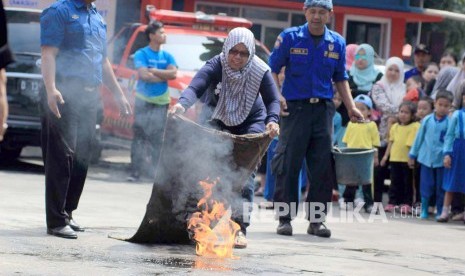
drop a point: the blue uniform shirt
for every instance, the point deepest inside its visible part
(429, 142)
(79, 32)
(456, 130)
(309, 68)
(148, 58)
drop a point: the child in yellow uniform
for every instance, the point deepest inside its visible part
(362, 136)
(401, 138)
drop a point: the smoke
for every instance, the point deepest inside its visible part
(192, 153)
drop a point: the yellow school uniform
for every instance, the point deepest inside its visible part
(402, 138)
(362, 136)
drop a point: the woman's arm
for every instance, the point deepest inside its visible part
(209, 73)
(271, 98)
(270, 95)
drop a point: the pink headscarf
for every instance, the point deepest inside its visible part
(350, 55)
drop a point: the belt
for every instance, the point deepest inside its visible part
(314, 100)
(310, 100)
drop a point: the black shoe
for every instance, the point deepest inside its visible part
(284, 228)
(62, 232)
(318, 229)
(76, 227)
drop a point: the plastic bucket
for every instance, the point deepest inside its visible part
(354, 166)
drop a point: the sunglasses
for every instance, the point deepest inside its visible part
(234, 52)
(358, 56)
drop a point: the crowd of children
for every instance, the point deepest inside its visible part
(416, 123)
(419, 129)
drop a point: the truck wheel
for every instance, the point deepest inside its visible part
(8, 154)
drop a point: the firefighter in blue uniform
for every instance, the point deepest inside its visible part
(74, 65)
(314, 57)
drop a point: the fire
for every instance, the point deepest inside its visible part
(213, 230)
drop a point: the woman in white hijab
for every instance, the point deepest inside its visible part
(239, 91)
(387, 95)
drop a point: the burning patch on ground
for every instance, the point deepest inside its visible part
(212, 228)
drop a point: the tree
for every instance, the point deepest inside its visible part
(454, 31)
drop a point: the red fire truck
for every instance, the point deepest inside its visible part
(192, 38)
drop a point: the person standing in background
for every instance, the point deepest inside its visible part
(5, 58)
(427, 150)
(362, 76)
(448, 58)
(362, 136)
(314, 56)
(74, 65)
(351, 50)
(421, 57)
(401, 138)
(155, 68)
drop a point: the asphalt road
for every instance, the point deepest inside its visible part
(396, 245)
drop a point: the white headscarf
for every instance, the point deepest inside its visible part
(239, 88)
(395, 91)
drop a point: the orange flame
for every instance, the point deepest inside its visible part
(219, 240)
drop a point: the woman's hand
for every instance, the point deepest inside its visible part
(273, 129)
(177, 109)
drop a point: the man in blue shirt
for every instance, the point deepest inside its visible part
(155, 68)
(74, 65)
(313, 56)
(421, 57)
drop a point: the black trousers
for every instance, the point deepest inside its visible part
(401, 189)
(349, 194)
(148, 128)
(305, 133)
(66, 148)
(380, 174)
